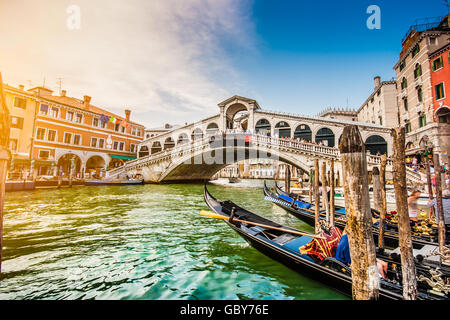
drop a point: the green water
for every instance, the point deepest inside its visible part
(140, 242)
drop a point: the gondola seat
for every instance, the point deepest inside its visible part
(333, 263)
(295, 244)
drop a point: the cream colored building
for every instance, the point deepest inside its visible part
(381, 106)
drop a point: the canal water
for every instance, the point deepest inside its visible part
(141, 242)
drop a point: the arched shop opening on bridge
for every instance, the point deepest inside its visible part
(169, 143)
(326, 136)
(156, 147)
(64, 165)
(282, 130)
(304, 132)
(376, 145)
(197, 134)
(263, 127)
(212, 129)
(182, 139)
(143, 151)
(94, 165)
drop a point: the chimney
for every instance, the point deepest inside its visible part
(127, 115)
(63, 93)
(21, 86)
(87, 101)
(167, 126)
(377, 81)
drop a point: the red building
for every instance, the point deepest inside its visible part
(440, 83)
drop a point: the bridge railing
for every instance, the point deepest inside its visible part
(259, 140)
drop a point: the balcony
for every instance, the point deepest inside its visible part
(420, 108)
(404, 117)
(403, 93)
(418, 81)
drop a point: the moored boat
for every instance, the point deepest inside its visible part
(284, 246)
(113, 182)
(308, 215)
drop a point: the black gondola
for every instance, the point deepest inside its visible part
(308, 215)
(284, 247)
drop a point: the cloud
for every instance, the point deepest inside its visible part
(168, 60)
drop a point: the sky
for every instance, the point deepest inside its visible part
(173, 61)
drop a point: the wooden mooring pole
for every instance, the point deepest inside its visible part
(439, 203)
(316, 196)
(365, 278)
(332, 183)
(409, 280)
(383, 209)
(376, 190)
(4, 157)
(429, 186)
(324, 192)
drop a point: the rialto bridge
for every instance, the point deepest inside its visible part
(197, 151)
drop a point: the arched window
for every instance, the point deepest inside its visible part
(197, 134)
(326, 136)
(263, 127)
(303, 132)
(143, 151)
(404, 83)
(212, 128)
(282, 129)
(376, 145)
(417, 71)
(169, 143)
(156, 147)
(182, 139)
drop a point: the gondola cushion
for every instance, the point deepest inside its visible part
(295, 244)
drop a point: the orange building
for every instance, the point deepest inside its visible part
(61, 128)
(440, 78)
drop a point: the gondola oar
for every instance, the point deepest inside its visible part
(217, 216)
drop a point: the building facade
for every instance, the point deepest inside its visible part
(415, 98)
(60, 132)
(381, 106)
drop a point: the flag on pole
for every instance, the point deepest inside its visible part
(124, 123)
(112, 119)
(104, 118)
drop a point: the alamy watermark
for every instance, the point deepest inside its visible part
(73, 21)
(374, 20)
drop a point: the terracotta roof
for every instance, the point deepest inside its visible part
(79, 104)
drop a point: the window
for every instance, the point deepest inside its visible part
(94, 142)
(402, 65)
(404, 83)
(76, 139)
(116, 127)
(20, 103)
(417, 71)
(405, 104)
(16, 122)
(67, 138)
(439, 90)
(437, 64)
(103, 124)
(422, 121)
(408, 127)
(132, 147)
(115, 145)
(122, 129)
(101, 143)
(69, 116)
(133, 131)
(420, 95)
(79, 118)
(13, 144)
(44, 154)
(54, 112)
(43, 109)
(51, 136)
(40, 133)
(415, 51)
(121, 146)
(95, 122)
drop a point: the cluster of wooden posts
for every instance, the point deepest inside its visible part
(358, 212)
